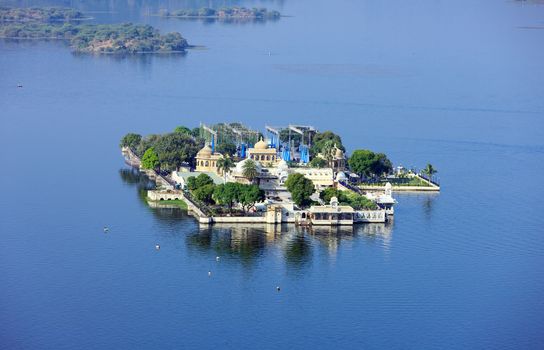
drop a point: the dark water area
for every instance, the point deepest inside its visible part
(457, 84)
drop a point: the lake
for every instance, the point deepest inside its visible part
(457, 84)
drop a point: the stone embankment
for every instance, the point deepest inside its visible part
(431, 187)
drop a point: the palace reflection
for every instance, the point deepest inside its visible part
(247, 244)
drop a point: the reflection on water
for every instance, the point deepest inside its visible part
(248, 243)
(230, 20)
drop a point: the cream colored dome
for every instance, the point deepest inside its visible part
(261, 145)
(206, 151)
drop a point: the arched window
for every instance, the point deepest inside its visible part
(267, 157)
(206, 163)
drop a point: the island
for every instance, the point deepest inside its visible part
(229, 173)
(225, 13)
(39, 14)
(125, 38)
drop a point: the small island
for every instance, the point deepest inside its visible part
(125, 38)
(39, 14)
(228, 173)
(225, 13)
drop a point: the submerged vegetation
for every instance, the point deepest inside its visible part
(224, 13)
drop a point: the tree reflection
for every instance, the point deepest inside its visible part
(297, 250)
(249, 243)
(428, 204)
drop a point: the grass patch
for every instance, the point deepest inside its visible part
(406, 181)
(178, 202)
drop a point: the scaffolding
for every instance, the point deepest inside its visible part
(235, 133)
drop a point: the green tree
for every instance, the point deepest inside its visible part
(359, 202)
(429, 171)
(367, 163)
(225, 164)
(150, 160)
(183, 130)
(131, 141)
(204, 193)
(327, 150)
(146, 143)
(321, 138)
(201, 180)
(195, 132)
(300, 188)
(382, 165)
(227, 194)
(174, 149)
(226, 148)
(330, 192)
(318, 162)
(249, 195)
(249, 170)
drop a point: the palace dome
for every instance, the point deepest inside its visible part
(261, 145)
(205, 152)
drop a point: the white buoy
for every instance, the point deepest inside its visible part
(209, 273)
(216, 258)
(278, 288)
(157, 247)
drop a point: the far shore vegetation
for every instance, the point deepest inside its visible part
(40, 14)
(233, 13)
(125, 38)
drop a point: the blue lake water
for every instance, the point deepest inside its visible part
(457, 84)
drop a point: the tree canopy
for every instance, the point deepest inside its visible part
(226, 194)
(318, 162)
(125, 38)
(204, 193)
(226, 148)
(182, 130)
(195, 182)
(131, 141)
(249, 170)
(321, 138)
(249, 195)
(355, 200)
(174, 149)
(367, 163)
(300, 188)
(150, 160)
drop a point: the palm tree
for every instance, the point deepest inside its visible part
(249, 170)
(224, 164)
(429, 171)
(328, 152)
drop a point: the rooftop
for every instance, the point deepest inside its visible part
(187, 174)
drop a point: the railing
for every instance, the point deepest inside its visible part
(350, 187)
